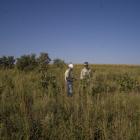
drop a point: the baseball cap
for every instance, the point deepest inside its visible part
(85, 63)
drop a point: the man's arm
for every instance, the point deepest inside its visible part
(81, 75)
(92, 73)
(66, 75)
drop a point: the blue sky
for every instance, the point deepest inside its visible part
(98, 31)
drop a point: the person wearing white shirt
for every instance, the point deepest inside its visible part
(85, 72)
(69, 80)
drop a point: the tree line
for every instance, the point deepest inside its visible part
(28, 62)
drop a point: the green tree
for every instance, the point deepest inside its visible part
(59, 63)
(45, 77)
(43, 61)
(27, 62)
(7, 62)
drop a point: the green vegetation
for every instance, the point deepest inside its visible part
(7, 62)
(34, 105)
(26, 62)
(58, 62)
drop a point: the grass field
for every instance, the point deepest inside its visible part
(109, 109)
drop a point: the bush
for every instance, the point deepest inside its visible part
(7, 62)
(43, 61)
(126, 83)
(59, 63)
(26, 62)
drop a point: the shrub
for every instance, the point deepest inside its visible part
(59, 63)
(43, 61)
(126, 83)
(7, 62)
(26, 62)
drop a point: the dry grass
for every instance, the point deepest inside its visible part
(105, 112)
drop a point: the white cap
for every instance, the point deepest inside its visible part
(70, 66)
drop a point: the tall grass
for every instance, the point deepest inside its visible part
(110, 110)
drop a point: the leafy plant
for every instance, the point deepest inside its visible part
(127, 83)
(59, 63)
(26, 62)
(7, 62)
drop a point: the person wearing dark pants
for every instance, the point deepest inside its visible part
(69, 80)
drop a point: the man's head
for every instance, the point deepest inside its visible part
(70, 66)
(86, 64)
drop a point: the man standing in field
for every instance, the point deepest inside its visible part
(85, 76)
(85, 72)
(85, 84)
(69, 80)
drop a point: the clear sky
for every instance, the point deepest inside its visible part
(98, 31)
